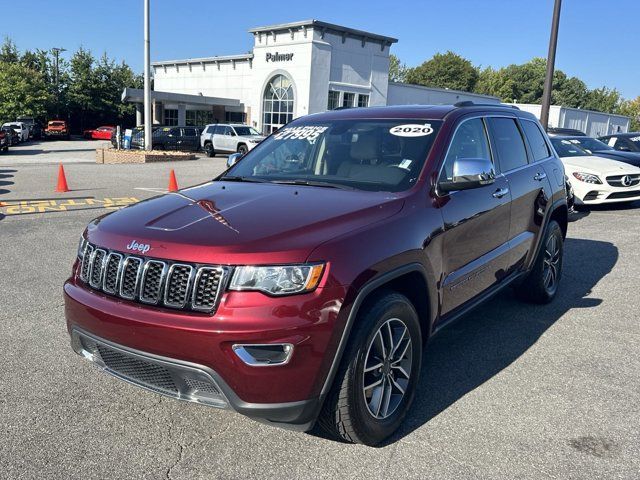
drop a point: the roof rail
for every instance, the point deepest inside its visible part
(469, 103)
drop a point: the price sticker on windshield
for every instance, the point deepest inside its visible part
(307, 132)
(411, 130)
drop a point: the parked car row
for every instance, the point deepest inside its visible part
(212, 139)
(597, 172)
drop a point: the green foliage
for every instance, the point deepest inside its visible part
(604, 100)
(85, 91)
(397, 70)
(631, 108)
(445, 70)
(23, 92)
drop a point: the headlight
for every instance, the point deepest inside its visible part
(255, 141)
(277, 280)
(587, 177)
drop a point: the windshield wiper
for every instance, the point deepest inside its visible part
(312, 183)
(233, 178)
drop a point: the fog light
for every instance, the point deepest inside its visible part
(264, 355)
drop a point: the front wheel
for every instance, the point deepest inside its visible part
(541, 285)
(377, 379)
(242, 149)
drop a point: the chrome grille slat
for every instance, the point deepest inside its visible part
(150, 281)
(97, 267)
(179, 280)
(112, 271)
(206, 289)
(130, 277)
(153, 275)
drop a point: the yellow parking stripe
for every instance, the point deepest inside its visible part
(22, 207)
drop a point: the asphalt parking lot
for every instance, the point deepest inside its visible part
(510, 391)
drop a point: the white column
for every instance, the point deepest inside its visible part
(147, 80)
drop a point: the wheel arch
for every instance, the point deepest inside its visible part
(411, 280)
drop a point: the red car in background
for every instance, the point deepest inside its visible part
(100, 133)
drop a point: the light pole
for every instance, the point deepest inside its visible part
(56, 55)
(147, 81)
(551, 60)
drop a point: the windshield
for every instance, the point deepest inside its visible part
(635, 140)
(378, 155)
(246, 131)
(590, 144)
(567, 148)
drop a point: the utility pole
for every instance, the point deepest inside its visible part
(56, 55)
(551, 60)
(147, 81)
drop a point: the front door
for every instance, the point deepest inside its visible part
(476, 223)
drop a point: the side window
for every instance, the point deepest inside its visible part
(175, 132)
(508, 143)
(219, 130)
(210, 129)
(469, 141)
(190, 132)
(538, 145)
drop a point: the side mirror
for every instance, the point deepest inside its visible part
(233, 159)
(469, 173)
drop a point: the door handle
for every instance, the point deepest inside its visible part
(540, 176)
(501, 192)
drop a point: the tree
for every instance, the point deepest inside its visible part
(631, 108)
(569, 92)
(23, 92)
(9, 51)
(445, 70)
(397, 70)
(604, 100)
(83, 92)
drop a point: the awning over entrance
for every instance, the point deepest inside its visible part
(136, 95)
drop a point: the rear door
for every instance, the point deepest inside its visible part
(528, 182)
(476, 223)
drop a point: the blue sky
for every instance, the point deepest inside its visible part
(598, 41)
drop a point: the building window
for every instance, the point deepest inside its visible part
(334, 100)
(363, 100)
(348, 99)
(235, 117)
(170, 117)
(198, 118)
(278, 104)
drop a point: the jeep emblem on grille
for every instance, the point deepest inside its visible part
(140, 247)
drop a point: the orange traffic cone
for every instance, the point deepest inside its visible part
(173, 184)
(62, 181)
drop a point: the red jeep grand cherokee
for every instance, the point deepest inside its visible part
(303, 283)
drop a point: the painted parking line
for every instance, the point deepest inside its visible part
(26, 207)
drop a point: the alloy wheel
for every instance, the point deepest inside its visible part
(551, 270)
(387, 368)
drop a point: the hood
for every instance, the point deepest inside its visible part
(627, 157)
(598, 165)
(254, 137)
(235, 223)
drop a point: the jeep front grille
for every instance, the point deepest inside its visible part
(152, 281)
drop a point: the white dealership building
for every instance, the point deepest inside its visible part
(293, 69)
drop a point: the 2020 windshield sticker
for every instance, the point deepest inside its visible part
(308, 132)
(411, 130)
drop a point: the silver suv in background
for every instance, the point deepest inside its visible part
(229, 138)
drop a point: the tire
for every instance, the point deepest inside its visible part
(208, 150)
(541, 285)
(242, 149)
(351, 412)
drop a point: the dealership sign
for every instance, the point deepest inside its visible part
(279, 57)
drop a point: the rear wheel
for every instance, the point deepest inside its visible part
(541, 285)
(377, 379)
(208, 149)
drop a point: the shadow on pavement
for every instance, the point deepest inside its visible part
(5, 175)
(470, 352)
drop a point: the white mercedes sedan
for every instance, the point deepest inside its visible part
(597, 180)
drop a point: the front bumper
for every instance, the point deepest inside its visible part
(599, 196)
(192, 350)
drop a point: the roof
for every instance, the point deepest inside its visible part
(324, 26)
(215, 59)
(625, 134)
